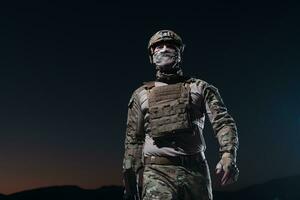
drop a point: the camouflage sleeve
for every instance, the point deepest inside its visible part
(134, 138)
(222, 123)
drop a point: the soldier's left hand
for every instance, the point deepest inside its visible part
(227, 170)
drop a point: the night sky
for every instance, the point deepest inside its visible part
(67, 71)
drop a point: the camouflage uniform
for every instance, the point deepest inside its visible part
(177, 182)
(185, 174)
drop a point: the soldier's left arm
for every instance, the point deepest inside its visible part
(225, 130)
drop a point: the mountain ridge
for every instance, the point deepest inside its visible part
(285, 188)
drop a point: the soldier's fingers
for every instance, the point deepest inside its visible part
(225, 176)
(231, 178)
(225, 181)
(228, 181)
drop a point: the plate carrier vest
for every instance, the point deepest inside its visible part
(168, 109)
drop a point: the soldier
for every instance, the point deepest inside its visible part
(164, 134)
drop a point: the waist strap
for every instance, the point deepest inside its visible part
(184, 160)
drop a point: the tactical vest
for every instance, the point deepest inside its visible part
(169, 110)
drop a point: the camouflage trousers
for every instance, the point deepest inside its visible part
(169, 182)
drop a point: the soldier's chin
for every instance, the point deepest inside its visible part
(167, 67)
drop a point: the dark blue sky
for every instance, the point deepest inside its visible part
(67, 71)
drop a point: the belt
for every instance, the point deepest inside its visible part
(182, 160)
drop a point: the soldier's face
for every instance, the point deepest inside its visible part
(166, 55)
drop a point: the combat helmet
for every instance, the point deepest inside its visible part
(164, 35)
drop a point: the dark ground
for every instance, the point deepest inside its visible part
(279, 189)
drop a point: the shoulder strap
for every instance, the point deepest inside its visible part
(148, 85)
(190, 80)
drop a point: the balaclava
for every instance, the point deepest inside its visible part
(167, 61)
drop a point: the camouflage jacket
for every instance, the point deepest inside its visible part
(205, 97)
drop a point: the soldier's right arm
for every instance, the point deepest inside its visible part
(134, 141)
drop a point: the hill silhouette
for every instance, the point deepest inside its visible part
(278, 189)
(67, 193)
(286, 188)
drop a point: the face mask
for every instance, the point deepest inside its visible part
(166, 58)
